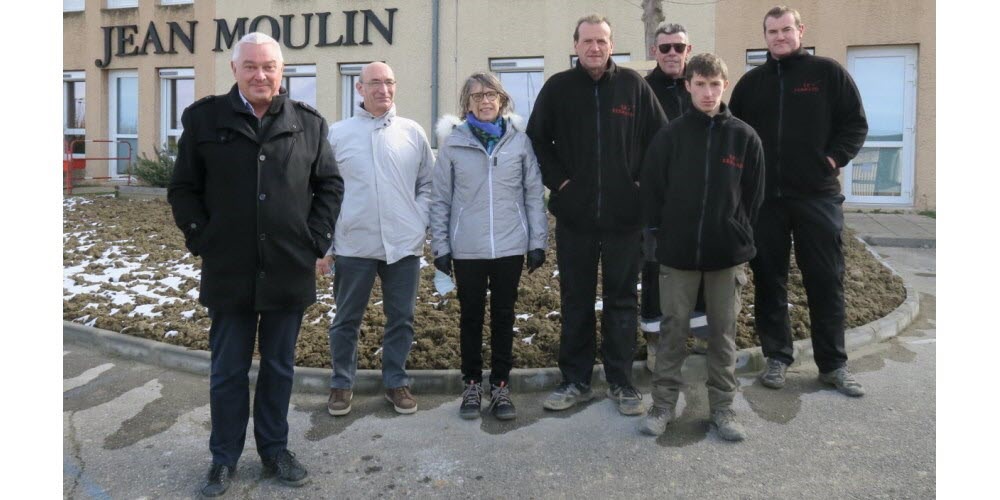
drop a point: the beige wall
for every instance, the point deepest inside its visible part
(834, 26)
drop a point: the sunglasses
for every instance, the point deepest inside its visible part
(678, 47)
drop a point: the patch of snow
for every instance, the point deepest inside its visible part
(171, 333)
(523, 316)
(172, 281)
(553, 313)
(527, 340)
(187, 314)
(193, 293)
(599, 305)
(555, 273)
(145, 310)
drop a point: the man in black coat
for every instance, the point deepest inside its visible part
(256, 193)
(808, 113)
(589, 128)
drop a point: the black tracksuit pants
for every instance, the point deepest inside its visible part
(578, 254)
(814, 227)
(473, 277)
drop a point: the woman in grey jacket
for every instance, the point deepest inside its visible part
(487, 212)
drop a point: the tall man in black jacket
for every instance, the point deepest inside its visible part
(702, 184)
(808, 113)
(589, 128)
(256, 193)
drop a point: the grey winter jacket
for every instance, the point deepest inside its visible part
(486, 206)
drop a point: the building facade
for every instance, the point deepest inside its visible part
(130, 67)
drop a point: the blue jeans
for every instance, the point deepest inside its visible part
(352, 287)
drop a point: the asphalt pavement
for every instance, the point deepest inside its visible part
(132, 430)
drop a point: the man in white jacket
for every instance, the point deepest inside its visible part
(386, 163)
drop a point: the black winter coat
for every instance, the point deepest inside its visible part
(670, 92)
(594, 133)
(702, 185)
(804, 108)
(259, 208)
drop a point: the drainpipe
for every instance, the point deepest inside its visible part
(435, 43)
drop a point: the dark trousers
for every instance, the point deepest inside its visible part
(473, 277)
(578, 254)
(814, 226)
(231, 339)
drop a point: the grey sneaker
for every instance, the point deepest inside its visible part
(656, 420)
(471, 401)
(774, 375)
(627, 398)
(339, 403)
(843, 381)
(567, 395)
(727, 426)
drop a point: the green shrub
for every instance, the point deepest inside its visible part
(156, 171)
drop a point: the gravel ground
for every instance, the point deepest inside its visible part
(125, 269)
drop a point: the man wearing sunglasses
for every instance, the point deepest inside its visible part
(808, 113)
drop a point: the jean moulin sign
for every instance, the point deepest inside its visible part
(292, 31)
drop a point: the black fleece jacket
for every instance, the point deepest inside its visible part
(805, 108)
(594, 134)
(702, 184)
(671, 92)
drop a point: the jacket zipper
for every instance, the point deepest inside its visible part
(781, 112)
(704, 196)
(491, 161)
(597, 101)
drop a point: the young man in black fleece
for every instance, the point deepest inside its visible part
(702, 184)
(808, 113)
(589, 128)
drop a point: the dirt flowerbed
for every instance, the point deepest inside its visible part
(125, 269)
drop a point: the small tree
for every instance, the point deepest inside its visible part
(157, 171)
(652, 16)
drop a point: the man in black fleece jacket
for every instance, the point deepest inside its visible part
(702, 184)
(589, 129)
(808, 113)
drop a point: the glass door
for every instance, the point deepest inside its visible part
(123, 120)
(882, 172)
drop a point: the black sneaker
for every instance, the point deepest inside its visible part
(626, 398)
(773, 376)
(288, 470)
(500, 404)
(471, 401)
(219, 478)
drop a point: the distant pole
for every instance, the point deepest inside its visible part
(652, 16)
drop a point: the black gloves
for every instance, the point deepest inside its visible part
(443, 263)
(535, 260)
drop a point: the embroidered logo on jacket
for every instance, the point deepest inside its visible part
(732, 161)
(627, 110)
(807, 88)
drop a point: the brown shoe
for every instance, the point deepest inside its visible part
(401, 399)
(339, 403)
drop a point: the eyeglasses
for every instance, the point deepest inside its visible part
(678, 47)
(490, 96)
(379, 83)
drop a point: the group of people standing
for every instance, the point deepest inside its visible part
(653, 176)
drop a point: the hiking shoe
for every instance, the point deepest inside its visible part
(219, 478)
(656, 420)
(471, 401)
(500, 404)
(843, 381)
(627, 398)
(567, 395)
(339, 403)
(401, 399)
(651, 339)
(727, 426)
(287, 469)
(700, 346)
(773, 376)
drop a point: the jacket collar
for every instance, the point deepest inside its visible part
(610, 70)
(657, 75)
(380, 121)
(785, 62)
(452, 127)
(719, 118)
(285, 120)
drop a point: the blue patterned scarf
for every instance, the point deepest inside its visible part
(488, 133)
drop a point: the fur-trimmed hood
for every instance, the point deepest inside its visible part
(447, 123)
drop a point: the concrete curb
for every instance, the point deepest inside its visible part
(317, 380)
(884, 241)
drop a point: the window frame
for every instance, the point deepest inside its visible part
(529, 64)
(121, 4)
(167, 75)
(299, 71)
(70, 77)
(74, 5)
(349, 72)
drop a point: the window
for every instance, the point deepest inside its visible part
(522, 78)
(72, 5)
(175, 2)
(176, 94)
(617, 58)
(757, 57)
(350, 100)
(74, 111)
(300, 82)
(122, 4)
